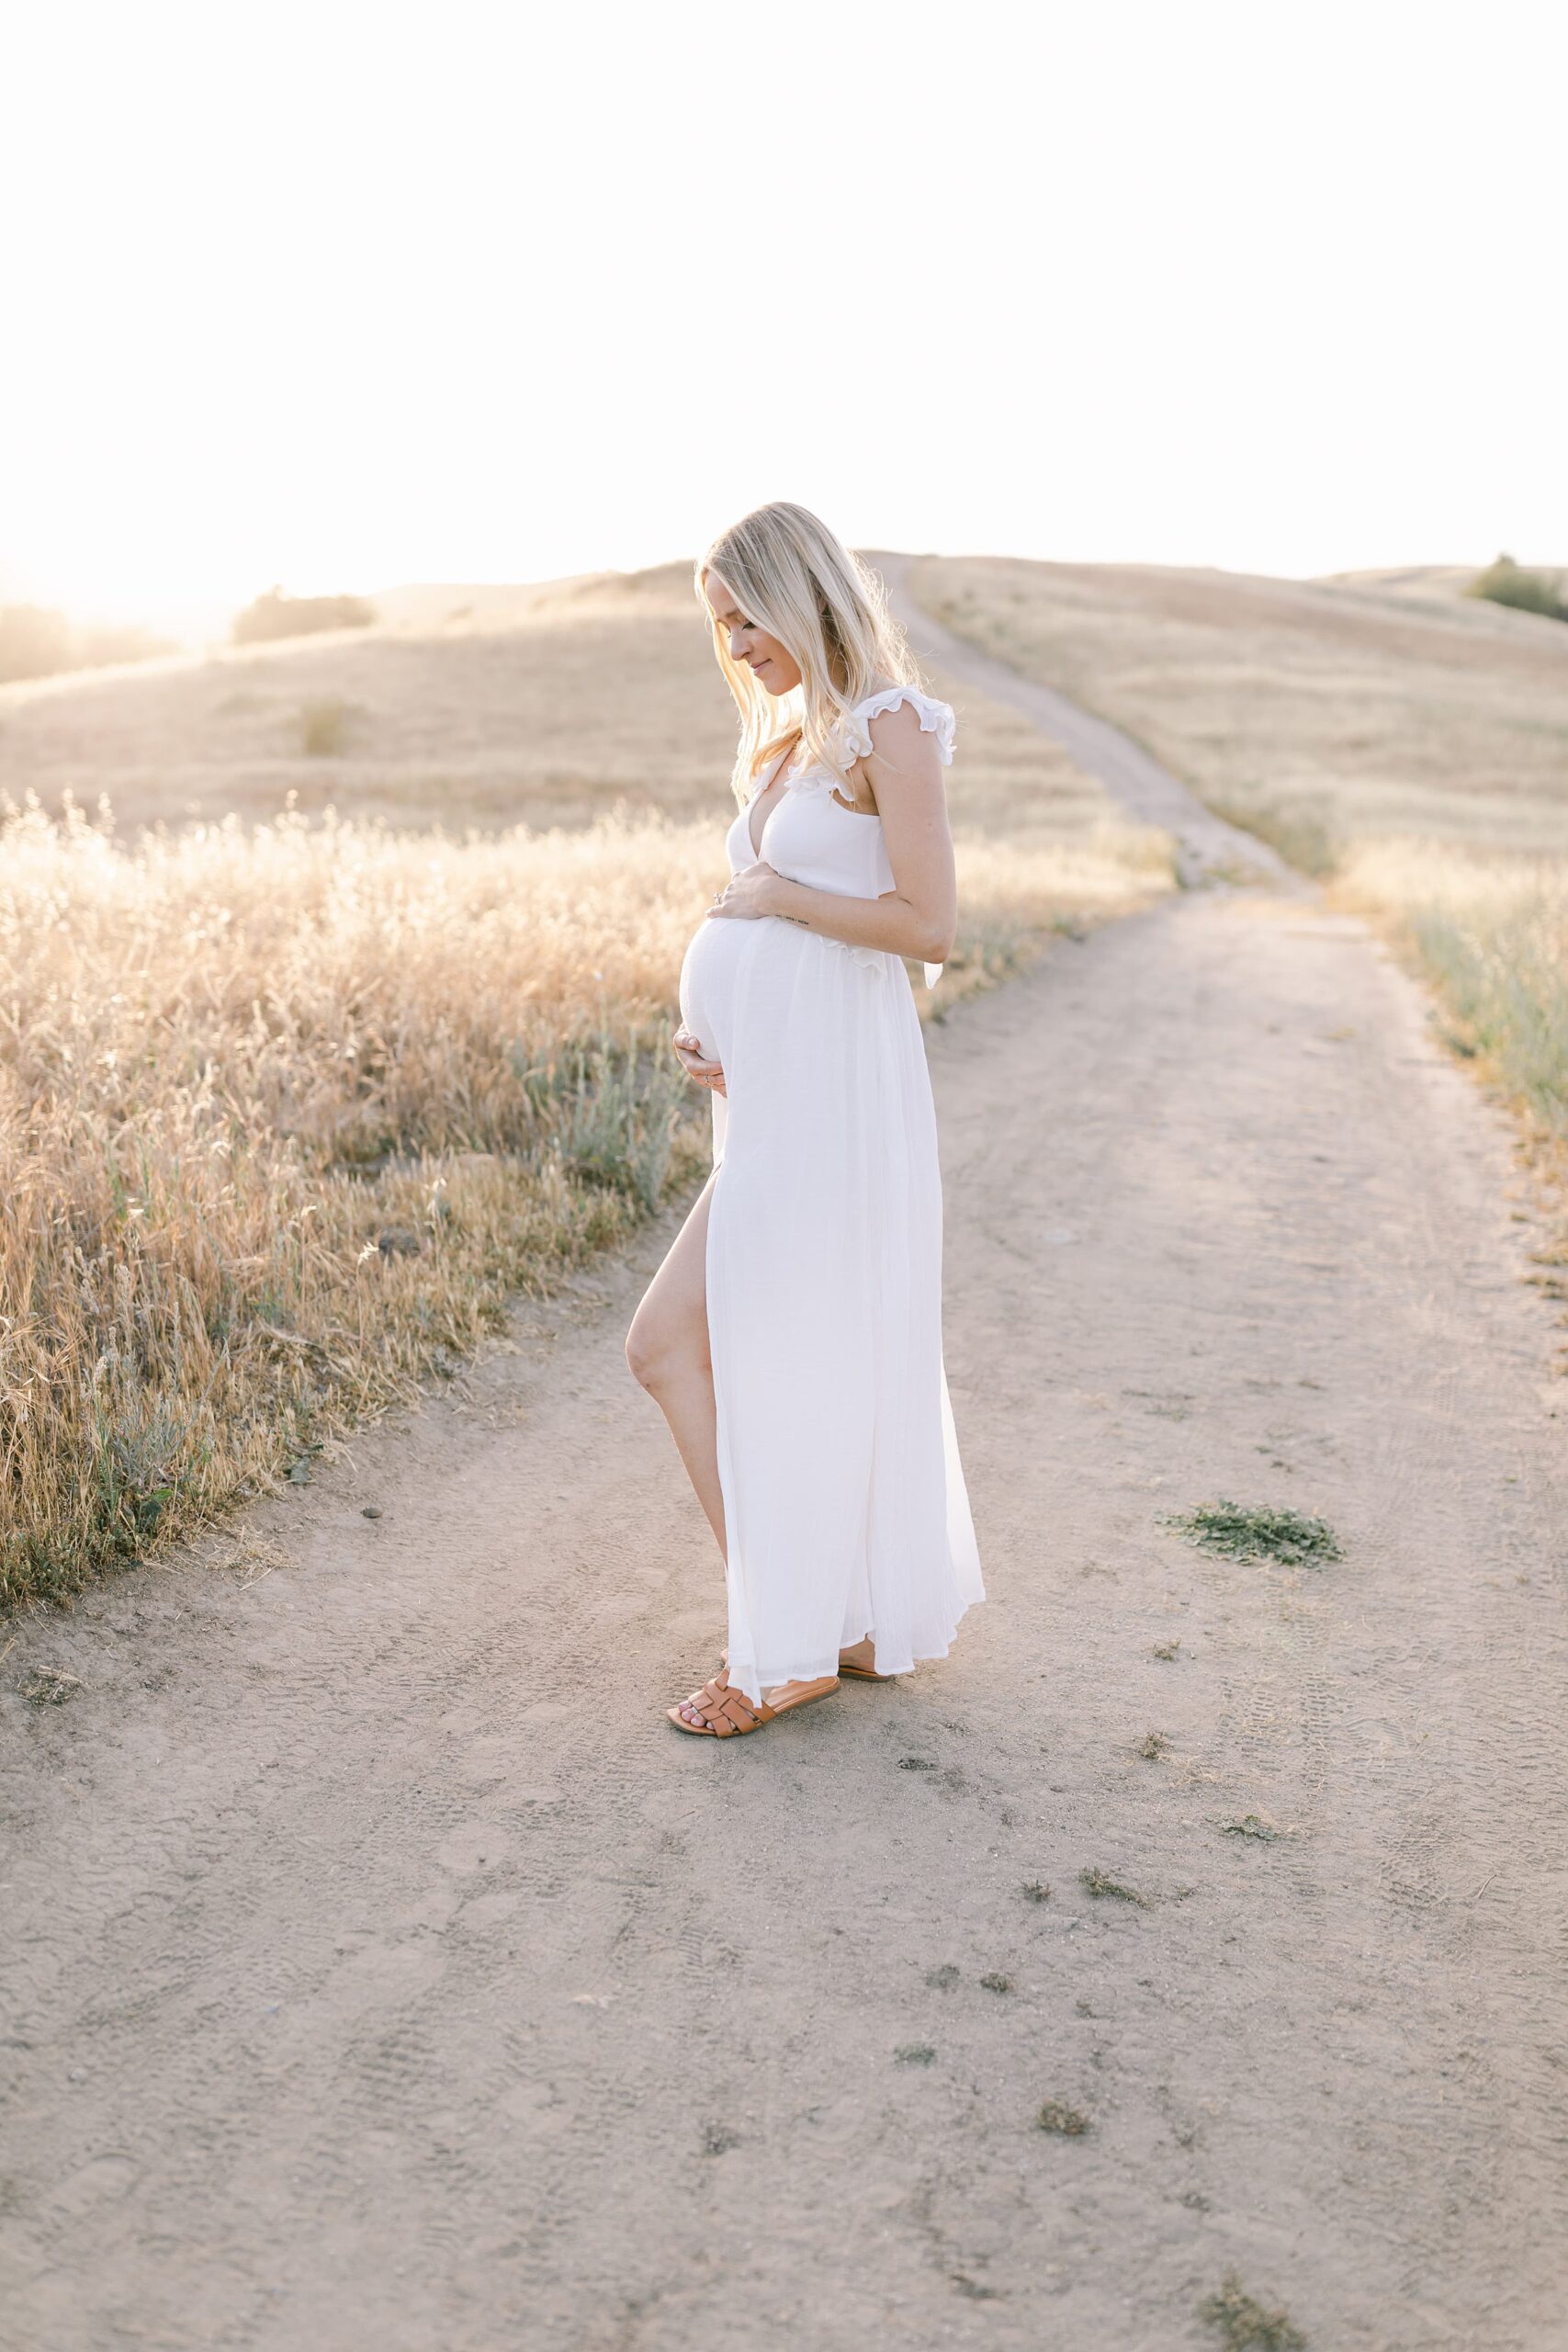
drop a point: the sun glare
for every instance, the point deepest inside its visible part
(336, 299)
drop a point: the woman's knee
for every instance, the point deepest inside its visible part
(659, 1356)
(642, 1354)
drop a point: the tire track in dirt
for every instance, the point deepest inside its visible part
(381, 1971)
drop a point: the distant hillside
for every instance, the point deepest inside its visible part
(1371, 702)
(428, 605)
(1438, 583)
(425, 603)
(547, 707)
(1316, 711)
(528, 709)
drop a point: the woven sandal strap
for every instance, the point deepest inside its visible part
(712, 1702)
(740, 1714)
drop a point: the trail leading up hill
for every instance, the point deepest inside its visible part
(1206, 846)
(383, 1971)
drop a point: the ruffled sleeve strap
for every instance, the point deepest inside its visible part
(936, 718)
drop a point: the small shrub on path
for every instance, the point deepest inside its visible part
(1100, 1883)
(1244, 2324)
(1056, 2116)
(1256, 1531)
(1253, 1824)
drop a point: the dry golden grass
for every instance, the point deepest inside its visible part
(282, 1118)
(1492, 932)
(288, 1108)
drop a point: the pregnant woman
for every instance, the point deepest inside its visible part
(793, 1335)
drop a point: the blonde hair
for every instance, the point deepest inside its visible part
(789, 574)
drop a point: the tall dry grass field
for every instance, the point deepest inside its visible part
(288, 1107)
(283, 1115)
(1408, 745)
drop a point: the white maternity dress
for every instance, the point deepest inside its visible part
(844, 1503)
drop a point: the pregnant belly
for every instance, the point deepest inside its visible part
(709, 976)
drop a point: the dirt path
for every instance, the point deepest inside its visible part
(382, 1972)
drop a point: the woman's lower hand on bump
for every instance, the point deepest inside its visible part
(688, 1054)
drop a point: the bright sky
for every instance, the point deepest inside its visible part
(339, 295)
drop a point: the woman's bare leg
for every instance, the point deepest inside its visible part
(667, 1348)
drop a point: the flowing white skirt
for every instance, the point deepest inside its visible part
(845, 1507)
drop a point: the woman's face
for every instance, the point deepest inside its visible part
(763, 655)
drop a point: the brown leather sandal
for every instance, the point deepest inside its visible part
(727, 1714)
(864, 1673)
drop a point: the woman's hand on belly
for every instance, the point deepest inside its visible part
(688, 1054)
(753, 891)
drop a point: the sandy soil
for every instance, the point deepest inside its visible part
(382, 1970)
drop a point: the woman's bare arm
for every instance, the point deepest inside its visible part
(918, 916)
